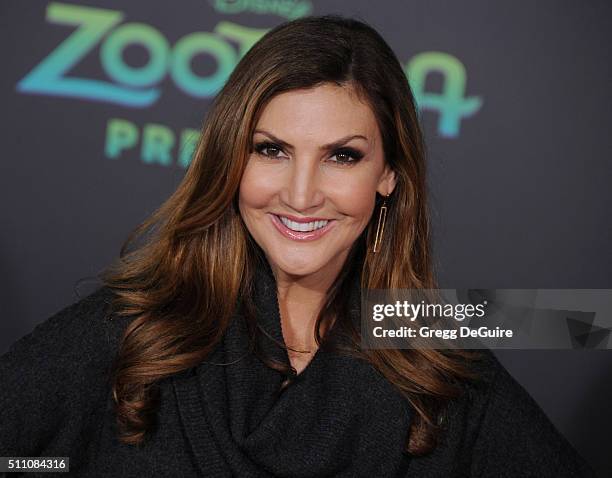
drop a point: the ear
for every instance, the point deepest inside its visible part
(387, 182)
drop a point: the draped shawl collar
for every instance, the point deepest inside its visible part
(339, 417)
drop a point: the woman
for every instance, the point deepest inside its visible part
(227, 344)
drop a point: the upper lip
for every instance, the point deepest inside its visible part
(303, 219)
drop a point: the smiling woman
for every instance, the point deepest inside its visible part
(307, 198)
(309, 179)
(228, 343)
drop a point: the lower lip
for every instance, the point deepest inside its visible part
(301, 236)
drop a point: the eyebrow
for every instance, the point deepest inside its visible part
(325, 147)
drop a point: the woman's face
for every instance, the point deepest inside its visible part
(309, 187)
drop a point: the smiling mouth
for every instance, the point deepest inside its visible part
(302, 226)
(302, 231)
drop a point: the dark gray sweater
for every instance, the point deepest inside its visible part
(339, 418)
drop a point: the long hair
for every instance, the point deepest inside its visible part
(182, 285)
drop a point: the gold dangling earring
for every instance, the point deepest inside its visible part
(380, 227)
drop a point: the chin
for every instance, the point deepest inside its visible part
(295, 266)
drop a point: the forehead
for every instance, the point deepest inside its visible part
(326, 111)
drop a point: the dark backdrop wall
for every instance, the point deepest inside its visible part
(102, 102)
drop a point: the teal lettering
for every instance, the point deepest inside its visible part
(289, 9)
(183, 52)
(135, 33)
(451, 103)
(120, 135)
(47, 77)
(157, 143)
(188, 143)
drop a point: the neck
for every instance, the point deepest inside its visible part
(300, 300)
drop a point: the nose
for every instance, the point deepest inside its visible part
(302, 191)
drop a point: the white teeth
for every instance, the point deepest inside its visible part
(302, 226)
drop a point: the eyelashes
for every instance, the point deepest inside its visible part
(344, 156)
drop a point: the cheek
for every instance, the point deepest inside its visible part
(255, 189)
(356, 196)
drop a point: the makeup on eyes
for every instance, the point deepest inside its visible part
(355, 155)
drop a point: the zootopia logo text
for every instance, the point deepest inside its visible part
(138, 86)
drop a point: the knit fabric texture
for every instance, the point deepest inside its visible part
(228, 418)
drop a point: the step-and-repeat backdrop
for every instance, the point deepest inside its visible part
(102, 102)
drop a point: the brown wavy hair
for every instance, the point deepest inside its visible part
(182, 284)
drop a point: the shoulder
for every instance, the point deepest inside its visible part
(511, 434)
(85, 329)
(57, 375)
(498, 401)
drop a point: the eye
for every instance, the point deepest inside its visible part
(347, 156)
(344, 156)
(267, 149)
